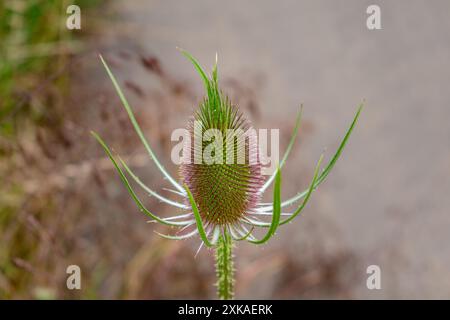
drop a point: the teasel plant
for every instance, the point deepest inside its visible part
(221, 202)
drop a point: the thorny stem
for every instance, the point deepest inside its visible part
(224, 267)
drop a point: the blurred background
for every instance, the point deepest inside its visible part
(386, 202)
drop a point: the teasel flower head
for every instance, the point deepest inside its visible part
(223, 175)
(221, 193)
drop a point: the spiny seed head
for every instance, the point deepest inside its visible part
(228, 189)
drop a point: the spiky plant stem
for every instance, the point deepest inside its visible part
(224, 267)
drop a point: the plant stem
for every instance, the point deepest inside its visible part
(224, 267)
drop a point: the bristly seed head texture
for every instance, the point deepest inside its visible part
(226, 190)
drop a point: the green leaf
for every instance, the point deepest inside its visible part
(246, 235)
(197, 67)
(138, 129)
(198, 218)
(276, 210)
(329, 166)
(288, 149)
(130, 189)
(308, 195)
(150, 191)
(336, 156)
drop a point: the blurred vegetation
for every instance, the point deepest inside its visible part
(35, 45)
(36, 50)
